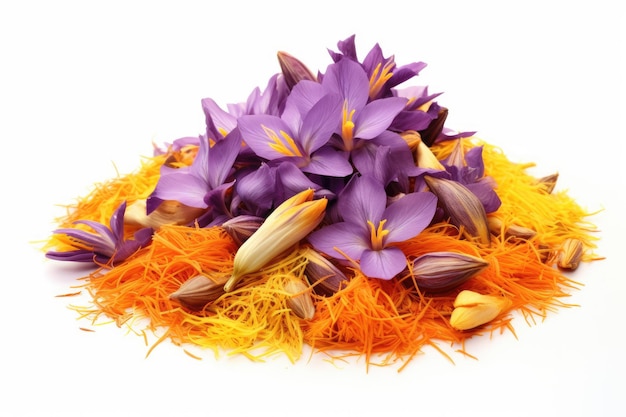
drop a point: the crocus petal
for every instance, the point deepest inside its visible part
(329, 162)
(182, 187)
(219, 122)
(377, 116)
(349, 79)
(382, 264)
(302, 98)
(222, 157)
(409, 215)
(256, 131)
(102, 242)
(348, 237)
(320, 123)
(364, 199)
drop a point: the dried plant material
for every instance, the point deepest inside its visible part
(291, 222)
(443, 271)
(300, 301)
(472, 309)
(240, 228)
(169, 212)
(570, 254)
(511, 231)
(548, 182)
(325, 277)
(464, 208)
(198, 291)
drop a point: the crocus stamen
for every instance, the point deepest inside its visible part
(287, 146)
(379, 78)
(347, 126)
(377, 234)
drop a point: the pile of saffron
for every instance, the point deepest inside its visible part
(334, 210)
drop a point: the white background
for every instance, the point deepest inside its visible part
(87, 86)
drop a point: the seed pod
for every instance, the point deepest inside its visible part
(325, 278)
(464, 208)
(497, 227)
(548, 182)
(240, 228)
(472, 309)
(300, 301)
(443, 271)
(570, 254)
(198, 291)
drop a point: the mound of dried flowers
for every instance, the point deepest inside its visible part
(332, 209)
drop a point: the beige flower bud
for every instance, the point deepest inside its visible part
(322, 274)
(284, 227)
(198, 291)
(300, 300)
(548, 182)
(168, 212)
(472, 309)
(443, 271)
(498, 228)
(570, 254)
(465, 209)
(426, 158)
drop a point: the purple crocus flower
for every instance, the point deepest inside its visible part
(370, 227)
(469, 170)
(361, 119)
(207, 174)
(106, 245)
(301, 133)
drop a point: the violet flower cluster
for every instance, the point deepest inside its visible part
(340, 133)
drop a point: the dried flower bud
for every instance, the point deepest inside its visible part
(430, 134)
(498, 228)
(289, 223)
(198, 291)
(412, 138)
(168, 212)
(322, 274)
(472, 309)
(426, 158)
(300, 301)
(293, 70)
(570, 254)
(466, 211)
(548, 182)
(240, 228)
(443, 271)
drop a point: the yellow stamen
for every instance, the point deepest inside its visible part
(286, 146)
(347, 127)
(379, 78)
(377, 234)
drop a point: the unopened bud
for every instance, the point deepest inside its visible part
(570, 254)
(198, 291)
(443, 271)
(322, 274)
(300, 300)
(465, 210)
(472, 309)
(498, 228)
(294, 70)
(240, 228)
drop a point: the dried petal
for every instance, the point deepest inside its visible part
(443, 271)
(322, 274)
(498, 228)
(472, 309)
(466, 211)
(570, 254)
(300, 301)
(198, 291)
